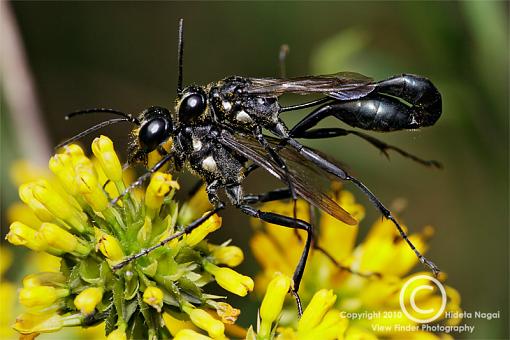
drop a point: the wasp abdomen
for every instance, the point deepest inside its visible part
(397, 103)
(419, 92)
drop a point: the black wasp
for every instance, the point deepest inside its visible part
(217, 133)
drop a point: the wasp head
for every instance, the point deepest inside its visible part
(191, 106)
(156, 127)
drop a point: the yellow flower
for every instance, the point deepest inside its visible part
(22, 235)
(74, 151)
(40, 296)
(153, 296)
(319, 320)
(380, 265)
(71, 204)
(332, 326)
(158, 188)
(196, 206)
(44, 279)
(24, 171)
(88, 186)
(38, 323)
(213, 223)
(231, 256)
(108, 245)
(205, 321)
(118, 334)
(46, 262)
(7, 295)
(175, 325)
(273, 302)
(26, 195)
(61, 239)
(63, 208)
(188, 334)
(62, 166)
(317, 308)
(102, 148)
(22, 213)
(230, 279)
(88, 299)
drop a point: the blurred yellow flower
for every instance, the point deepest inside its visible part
(232, 256)
(366, 277)
(319, 320)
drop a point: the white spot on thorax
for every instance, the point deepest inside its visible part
(243, 117)
(209, 164)
(197, 144)
(226, 105)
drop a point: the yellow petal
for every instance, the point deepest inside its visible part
(230, 279)
(273, 302)
(88, 299)
(212, 224)
(118, 334)
(321, 302)
(153, 296)
(102, 147)
(205, 321)
(174, 325)
(188, 334)
(27, 323)
(231, 256)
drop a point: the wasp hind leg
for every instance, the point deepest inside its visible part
(382, 146)
(343, 175)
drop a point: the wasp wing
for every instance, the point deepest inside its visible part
(341, 86)
(304, 175)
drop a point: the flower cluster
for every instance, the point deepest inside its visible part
(366, 277)
(74, 220)
(319, 320)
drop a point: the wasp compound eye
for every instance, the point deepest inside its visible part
(191, 106)
(154, 132)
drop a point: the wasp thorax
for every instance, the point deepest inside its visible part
(155, 129)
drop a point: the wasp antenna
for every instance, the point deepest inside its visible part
(103, 110)
(92, 129)
(180, 53)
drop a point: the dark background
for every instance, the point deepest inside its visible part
(123, 55)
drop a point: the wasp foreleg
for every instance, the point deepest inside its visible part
(188, 229)
(139, 181)
(288, 222)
